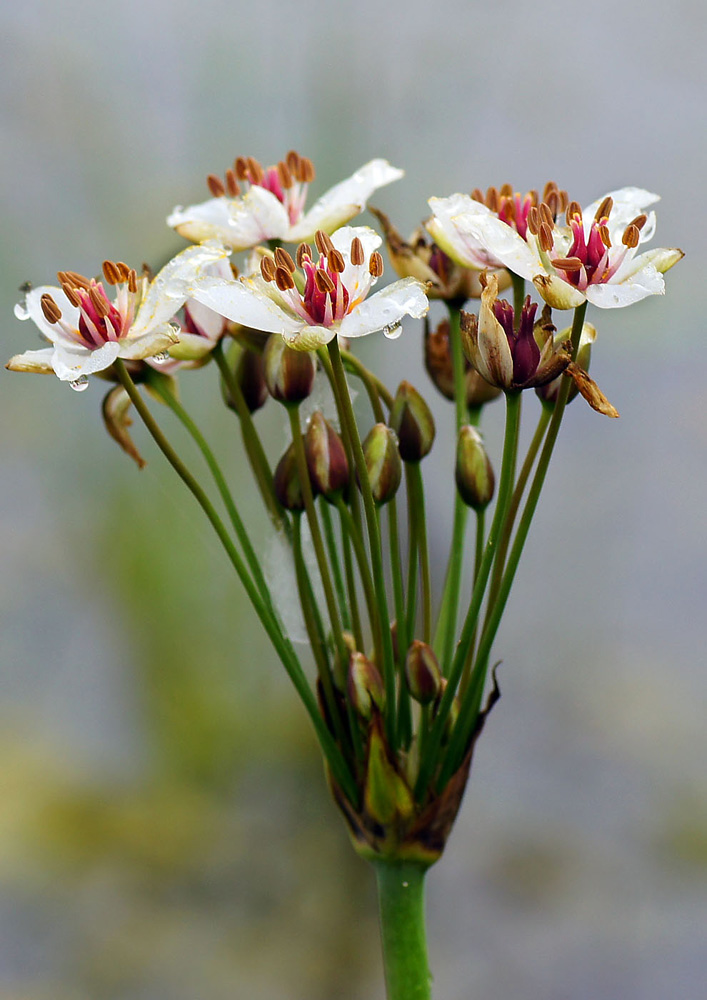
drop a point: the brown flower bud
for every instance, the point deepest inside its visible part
(411, 419)
(422, 673)
(249, 372)
(326, 457)
(383, 462)
(365, 685)
(289, 374)
(474, 474)
(286, 482)
(438, 361)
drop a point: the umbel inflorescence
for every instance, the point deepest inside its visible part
(395, 679)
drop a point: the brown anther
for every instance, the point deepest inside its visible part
(323, 242)
(534, 220)
(307, 172)
(61, 277)
(132, 280)
(284, 175)
(573, 211)
(478, 195)
(548, 189)
(304, 250)
(564, 200)
(101, 304)
(509, 205)
(567, 263)
(547, 216)
(506, 191)
(283, 259)
(215, 186)
(267, 268)
(232, 185)
(124, 270)
(145, 270)
(605, 237)
(357, 254)
(336, 262)
(545, 237)
(632, 236)
(534, 197)
(255, 171)
(111, 272)
(240, 168)
(323, 281)
(71, 295)
(553, 203)
(639, 222)
(604, 210)
(283, 279)
(76, 279)
(52, 312)
(375, 265)
(293, 160)
(492, 199)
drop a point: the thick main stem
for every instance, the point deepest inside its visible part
(401, 898)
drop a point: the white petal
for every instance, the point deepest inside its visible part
(148, 344)
(208, 322)
(557, 292)
(37, 362)
(32, 309)
(628, 203)
(499, 241)
(170, 289)
(647, 281)
(386, 308)
(243, 304)
(309, 338)
(69, 365)
(191, 347)
(206, 221)
(256, 217)
(446, 235)
(356, 278)
(344, 200)
(493, 358)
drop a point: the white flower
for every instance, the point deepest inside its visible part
(272, 207)
(88, 331)
(313, 302)
(592, 257)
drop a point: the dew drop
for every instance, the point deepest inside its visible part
(406, 885)
(161, 358)
(392, 331)
(80, 383)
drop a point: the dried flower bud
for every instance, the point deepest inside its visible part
(383, 462)
(249, 372)
(474, 474)
(422, 673)
(326, 457)
(365, 685)
(549, 392)
(286, 482)
(411, 419)
(289, 374)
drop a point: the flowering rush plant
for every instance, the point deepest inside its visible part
(396, 676)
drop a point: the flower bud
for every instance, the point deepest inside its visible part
(286, 482)
(474, 474)
(289, 374)
(249, 372)
(438, 362)
(383, 462)
(411, 419)
(326, 457)
(422, 672)
(365, 685)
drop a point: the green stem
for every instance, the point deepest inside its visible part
(333, 551)
(518, 297)
(401, 898)
(416, 514)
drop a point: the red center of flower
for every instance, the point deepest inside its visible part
(524, 349)
(287, 180)
(513, 208)
(100, 320)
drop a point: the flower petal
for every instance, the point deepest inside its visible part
(558, 293)
(386, 308)
(257, 216)
(499, 241)
(171, 287)
(148, 344)
(460, 247)
(71, 364)
(206, 221)
(37, 362)
(647, 281)
(344, 200)
(628, 203)
(244, 303)
(309, 338)
(32, 309)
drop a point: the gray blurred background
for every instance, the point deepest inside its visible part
(165, 831)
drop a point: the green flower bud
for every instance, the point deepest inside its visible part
(365, 685)
(474, 474)
(383, 462)
(286, 482)
(422, 673)
(249, 372)
(411, 419)
(289, 374)
(326, 457)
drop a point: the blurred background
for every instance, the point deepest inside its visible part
(165, 831)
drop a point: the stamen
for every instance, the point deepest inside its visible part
(548, 189)
(303, 250)
(283, 279)
(124, 270)
(307, 172)
(478, 195)
(632, 236)
(146, 271)
(267, 268)
(293, 161)
(375, 265)
(284, 175)
(283, 259)
(564, 200)
(547, 216)
(99, 301)
(534, 220)
(240, 168)
(357, 254)
(534, 198)
(336, 262)
(215, 186)
(568, 263)
(71, 295)
(132, 280)
(111, 272)
(256, 174)
(492, 199)
(52, 312)
(232, 185)
(323, 242)
(573, 211)
(76, 279)
(605, 237)
(506, 191)
(545, 236)
(323, 281)
(604, 209)
(553, 203)
(639, 222)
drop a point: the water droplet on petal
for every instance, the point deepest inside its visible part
(161, 358)
(80, 383)
(392, 331)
